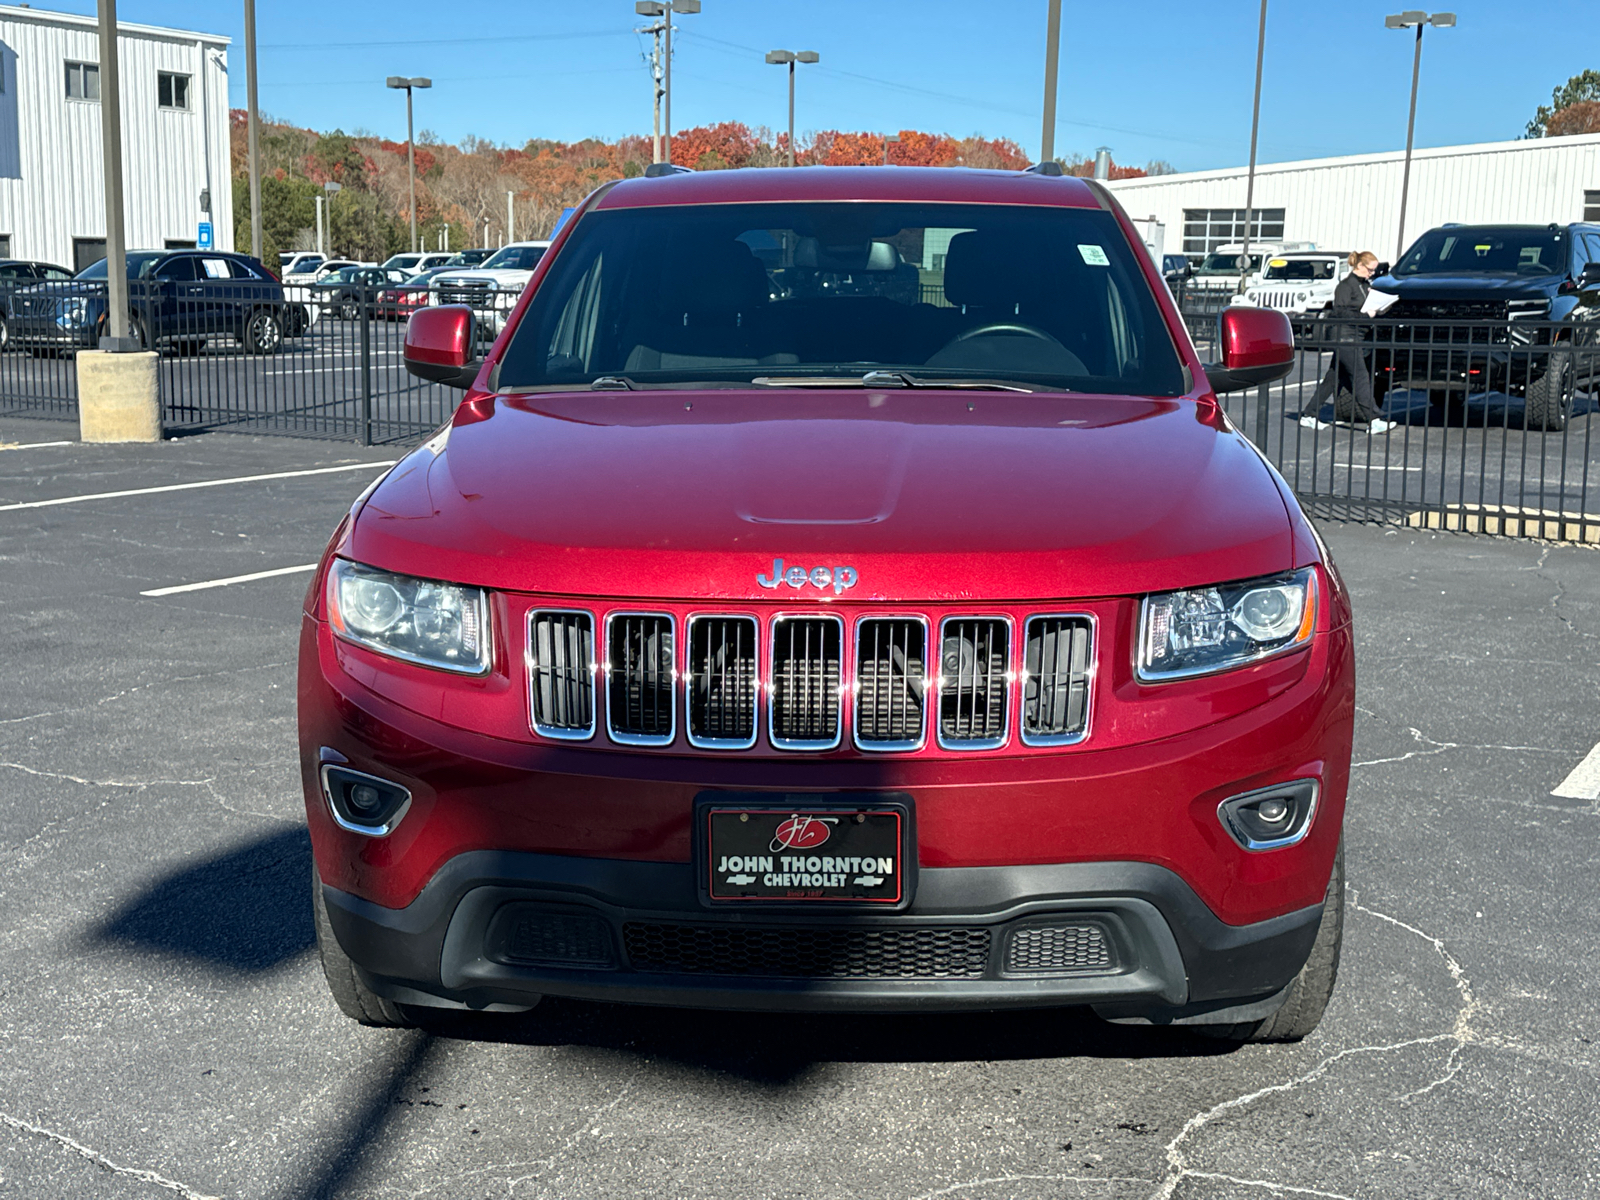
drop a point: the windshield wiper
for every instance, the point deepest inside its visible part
(613, 383)
(882, 379)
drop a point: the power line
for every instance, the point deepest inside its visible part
(472, 41)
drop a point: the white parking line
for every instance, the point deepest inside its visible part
(216, 583)
(1584, 781)
(31, 445)
(184, 487)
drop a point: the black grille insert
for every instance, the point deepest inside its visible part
(800, 952)
(891, 653)
(722, 682)
(1055, 679)
(531, 933)
(805, 681)
(972, 682)
(561, 673)
(1059, 949)
(639, 660)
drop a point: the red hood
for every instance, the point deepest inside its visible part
(929, 496)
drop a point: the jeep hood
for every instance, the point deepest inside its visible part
(929, 496)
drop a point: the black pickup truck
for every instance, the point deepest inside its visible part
(1513, 309)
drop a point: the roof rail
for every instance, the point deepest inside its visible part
(1049, 167)
(657, 170)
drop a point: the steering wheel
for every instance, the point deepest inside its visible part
(1005, 327)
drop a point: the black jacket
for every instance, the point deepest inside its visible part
(1349, 296)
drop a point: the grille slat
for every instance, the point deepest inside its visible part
(1056, 658)
(891, 668)
(973, 683)
(801, 952)
(722, 682)
(806, 669)
(639, 684)
(561, 668)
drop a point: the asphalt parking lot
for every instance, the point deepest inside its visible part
(166, 1028)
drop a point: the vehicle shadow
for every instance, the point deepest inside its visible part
(777, 1048)
(246, 910)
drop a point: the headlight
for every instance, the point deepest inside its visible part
(435, 624)
(1214, 629)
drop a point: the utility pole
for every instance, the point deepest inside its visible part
(511, 217)
(646, 8)
(116, 334)
(1052, 54)
(253, 120)
(1255, 125)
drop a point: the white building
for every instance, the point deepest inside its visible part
(174, 137)
(1353, 203)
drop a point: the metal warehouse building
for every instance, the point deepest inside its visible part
(1353, 203)
(174, 137)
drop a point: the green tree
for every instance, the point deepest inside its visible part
(1577, 90)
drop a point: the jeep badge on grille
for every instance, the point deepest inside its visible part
(840, 578)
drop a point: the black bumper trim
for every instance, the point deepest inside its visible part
(1174, 952)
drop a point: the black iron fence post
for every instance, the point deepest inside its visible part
(366, 366)
(1263, 398)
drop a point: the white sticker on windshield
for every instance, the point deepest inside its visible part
(1093, 255)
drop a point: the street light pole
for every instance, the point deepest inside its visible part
(1052, 54)
(667, 9)
(1255, 127)
(511, 215)
(252, 121)
(789, 58)
(1406, 20)
(116, 334)
(330, 188)
(399, 81)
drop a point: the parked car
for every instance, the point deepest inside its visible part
(470, 258)
(1524, 298)
(299, 262)
(17, 273)
(338, 264)
(414, 264)
(493, 289)
(1219, 271)
(1297, 282)
(181, 298)
(398, 302)
(1176, 268)
(834, 652)
(348, 289)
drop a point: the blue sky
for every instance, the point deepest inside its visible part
(1165, 79)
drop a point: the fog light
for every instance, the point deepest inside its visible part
(1270, 818)
(363, 803)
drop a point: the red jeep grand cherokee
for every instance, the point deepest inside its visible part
(838, 590)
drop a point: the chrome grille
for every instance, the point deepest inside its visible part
(891, 670)
(806, 665)
(721, 686)
(1056, 658)
(561, 669)
(640, 661)
(474, 292)
(973, 686)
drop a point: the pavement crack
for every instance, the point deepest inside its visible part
(1431, 746)
(587, 1127)
(136, 784)
(954, 1188)
(1460, 1035)
(101, 1161)
(1281, 1189)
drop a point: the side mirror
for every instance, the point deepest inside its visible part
(1590, 277)
(440, 345)
(1257, 347)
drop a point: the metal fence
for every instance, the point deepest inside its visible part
(1493, 421)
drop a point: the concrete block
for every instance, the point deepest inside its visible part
(117, 398)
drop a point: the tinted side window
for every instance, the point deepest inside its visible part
(177, 268)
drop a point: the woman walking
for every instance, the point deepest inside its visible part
(1348, 361)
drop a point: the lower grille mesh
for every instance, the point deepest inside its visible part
(797, 952)
(1059, 948)
(554, 938)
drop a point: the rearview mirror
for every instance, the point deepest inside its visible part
(441, 344)
(1257, 347)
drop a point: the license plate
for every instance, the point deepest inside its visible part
(805, 854)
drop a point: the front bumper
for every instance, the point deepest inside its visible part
(44, 331)
(637, 932)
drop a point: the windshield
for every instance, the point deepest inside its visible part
(1049, 297)
(515, 258)
(1487, 251)
(1218, 263)
(1300, 268)
(139, 265)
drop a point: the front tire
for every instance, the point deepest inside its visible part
(354, 998)
(1548, 403)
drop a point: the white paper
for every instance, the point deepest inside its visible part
(1095, 256)
(1377, 303)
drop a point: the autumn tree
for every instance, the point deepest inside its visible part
(1582, 117)
(1580, 89)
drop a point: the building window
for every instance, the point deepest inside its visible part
(172, 91)
(1205, 229)
(83, 81)
(1591, 206)
(5, 245)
